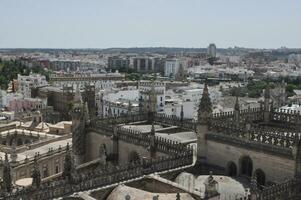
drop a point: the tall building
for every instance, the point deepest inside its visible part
(117, 62)
(147, 64)
(211, 50)
(173, 66)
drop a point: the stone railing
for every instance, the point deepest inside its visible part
(51, 151)
(129, 118)
(274, 140)
(169, 120)
(172, 120)
(272, 136)
(141, 139)
(251, 114)
(138, 138)
(288, 117)
(102, 177)
(285, 190)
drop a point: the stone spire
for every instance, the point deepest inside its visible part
(86, 113)
(79, 122)
(153, 141)
(68, 166)
(205, 106)
(7, 179)
(36, 176)
(14, 155)
(129, 107)
(236, 112)
(182, 113)
(236, 106)
(178, 197)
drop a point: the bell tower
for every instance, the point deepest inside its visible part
(79, 119)
(204, 115)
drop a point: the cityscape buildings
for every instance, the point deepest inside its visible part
(150, 100)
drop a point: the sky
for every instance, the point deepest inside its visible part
(149, 23)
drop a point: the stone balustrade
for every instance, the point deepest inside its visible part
(102, 177)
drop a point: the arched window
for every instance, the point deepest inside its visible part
(231, 169)
(246, 166)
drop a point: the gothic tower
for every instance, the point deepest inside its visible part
(182, 115)
(236, 112)
(153, 146)
(79, 120)
(204, 115)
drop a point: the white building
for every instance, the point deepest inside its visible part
(117, 102)
(26, 83)
(189, 98)
(145, 88)
(172, 67)
(174, 107)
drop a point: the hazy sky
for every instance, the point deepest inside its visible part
(137, 23)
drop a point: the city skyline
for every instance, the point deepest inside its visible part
(133, 23)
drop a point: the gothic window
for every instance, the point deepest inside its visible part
(246, 166)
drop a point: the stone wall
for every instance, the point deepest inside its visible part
(53, 164)
(94, 140)
(125, 149)
(276, 168)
